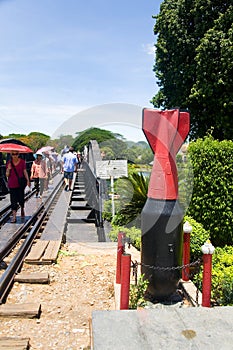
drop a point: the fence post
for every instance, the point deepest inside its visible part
(187, 229)
(120, 251)
(125, 281)
(207, 250)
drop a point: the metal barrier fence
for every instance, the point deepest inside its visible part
(94, 195)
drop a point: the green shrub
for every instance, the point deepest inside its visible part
(107, 212)
(222, 275)
(198, 237)
(132, 192)
(137, 293)
(212, 198)
(133, 233)
(133, 195)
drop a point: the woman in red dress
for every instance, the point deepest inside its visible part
(16, 166)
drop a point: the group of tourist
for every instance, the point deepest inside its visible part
(41, 174)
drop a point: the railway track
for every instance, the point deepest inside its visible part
(17, 240)
(5, 211)
(33, 259)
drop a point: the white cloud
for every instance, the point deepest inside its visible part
(24, 119)
(122, 118)
(149, 49)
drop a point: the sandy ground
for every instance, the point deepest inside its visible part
(81, 281)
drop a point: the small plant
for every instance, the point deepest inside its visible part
(66, 253)
(222, 273)
(137, 293)
(227, 288)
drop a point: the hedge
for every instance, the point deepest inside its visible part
(212, 192)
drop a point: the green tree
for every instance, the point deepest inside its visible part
(61, 142)
(187, 58)
(83, 138)
(118, 147)
(107, 153)
(36, 140)
(133, 152)
(211, 98)
(147, 156)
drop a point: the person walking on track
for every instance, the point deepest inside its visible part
(70, 165)
(44, 173)
(35, 172)
(15, 170)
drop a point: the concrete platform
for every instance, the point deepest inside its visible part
(81, 232)
(170, 328)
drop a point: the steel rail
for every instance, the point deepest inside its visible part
(5, 212)
(7, 277)
(19, 234)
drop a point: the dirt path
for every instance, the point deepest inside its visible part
(81, 281)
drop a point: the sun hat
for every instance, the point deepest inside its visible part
(39, 153)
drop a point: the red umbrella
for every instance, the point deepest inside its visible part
(9, 147)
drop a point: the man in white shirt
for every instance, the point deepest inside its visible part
(70, 165)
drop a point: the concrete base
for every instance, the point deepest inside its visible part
(169, 328)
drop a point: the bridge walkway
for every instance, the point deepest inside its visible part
(80, 223)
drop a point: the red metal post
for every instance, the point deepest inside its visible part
(120, 251)
(207, 250)
(186, 250)
(125, 281)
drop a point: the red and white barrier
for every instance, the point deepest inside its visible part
(187, 228)
(207, 250)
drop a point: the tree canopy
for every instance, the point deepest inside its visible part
(34, 140)
(83, 138)
(113, 146)
(194, 63)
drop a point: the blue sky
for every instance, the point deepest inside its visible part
(60, 57)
